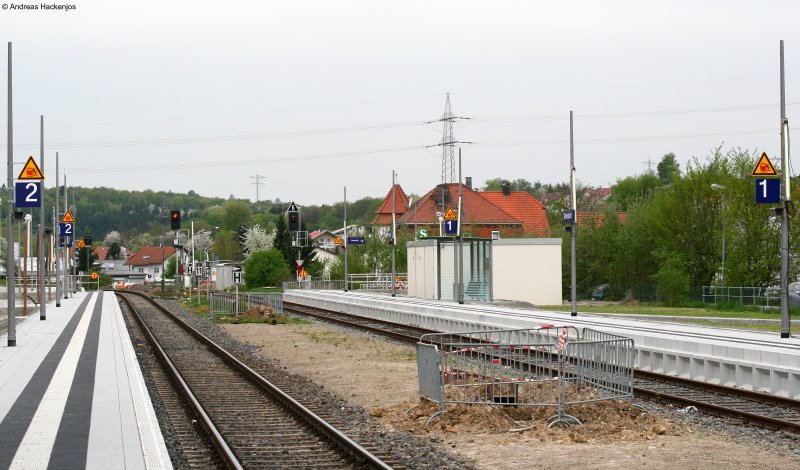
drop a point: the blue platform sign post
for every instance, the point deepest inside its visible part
(450, 227)
(569, 216)
(65, 229)
(28, 194)
(355, 240)
(768, 191)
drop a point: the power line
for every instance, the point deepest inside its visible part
(632, 114)
(230, 138)
(612, 140)
(237, 163)
(252, 113)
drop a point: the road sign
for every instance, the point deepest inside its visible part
(299, 262)
(65, 229)
(190, 269)
(768, 191)
(450, 215)
(292, 208)
(356, 240)
(94, 275)
(68, 219)
(81, 244)
(28, 194)
(764, 167)
(30, 171)
(450, 227)
(338, 241)
(569, 216)
(423, 233)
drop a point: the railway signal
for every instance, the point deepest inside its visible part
(175, 220)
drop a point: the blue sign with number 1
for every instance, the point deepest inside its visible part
(768, 191)
(28, 194)
(450, 227)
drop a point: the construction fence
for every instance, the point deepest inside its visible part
(551, 366)
(229, 303)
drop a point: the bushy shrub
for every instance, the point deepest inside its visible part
(672, 280)
(265, 268)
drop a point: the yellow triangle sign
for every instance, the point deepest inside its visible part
(450, 215)
(764, 167)
(68, 219)
(338, 241)
(31, 171)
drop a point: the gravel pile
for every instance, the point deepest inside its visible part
(413, 451)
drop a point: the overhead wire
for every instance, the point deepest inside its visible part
(632, 114)
(235, 163)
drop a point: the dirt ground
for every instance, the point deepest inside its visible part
(381, 376)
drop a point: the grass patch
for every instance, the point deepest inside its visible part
(329, 337)
(264, 290)
(795, 328)
(279, 319)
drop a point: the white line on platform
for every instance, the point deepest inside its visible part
(37, 445)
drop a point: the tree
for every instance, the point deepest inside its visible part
(668, 168)
(111, 238)
(226, 246)
(237, 213)
(143, 239)
(265, 268)
(85, 259)
(257, 239)
(170, 267)
(672, 279)
(113, 251)
(627, 191)
(202, 242)
(283, 240)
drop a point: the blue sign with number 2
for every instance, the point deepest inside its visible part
(28, 194)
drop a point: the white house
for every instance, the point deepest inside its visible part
(148, 261)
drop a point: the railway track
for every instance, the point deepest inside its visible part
(760, 409)
(252, 420)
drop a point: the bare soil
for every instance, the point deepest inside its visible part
(381, 376)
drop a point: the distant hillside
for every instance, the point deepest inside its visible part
(101, 210)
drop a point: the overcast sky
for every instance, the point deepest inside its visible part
(318, 95)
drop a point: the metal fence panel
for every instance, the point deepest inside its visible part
(229, 303)
(428, 367)
(547, 366)
(314, 285)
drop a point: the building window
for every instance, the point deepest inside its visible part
(155, 270)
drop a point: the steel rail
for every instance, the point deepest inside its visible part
(225, 452)
(358, 452)
(721, 390)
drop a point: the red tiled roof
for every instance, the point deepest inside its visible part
(101, 252)
(317, 233)
(475, 208)
(523, 207)
(384, 212)
(149, 255)
(599, 217)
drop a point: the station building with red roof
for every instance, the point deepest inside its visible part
(511, 213)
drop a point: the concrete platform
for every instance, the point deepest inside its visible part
(72, 394)
(749, 360)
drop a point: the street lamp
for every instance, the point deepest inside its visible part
(719, 187)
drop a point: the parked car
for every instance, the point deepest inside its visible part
(601, 292)
(794, 295)
(772, 295)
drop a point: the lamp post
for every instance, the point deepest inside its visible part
(719, 187)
